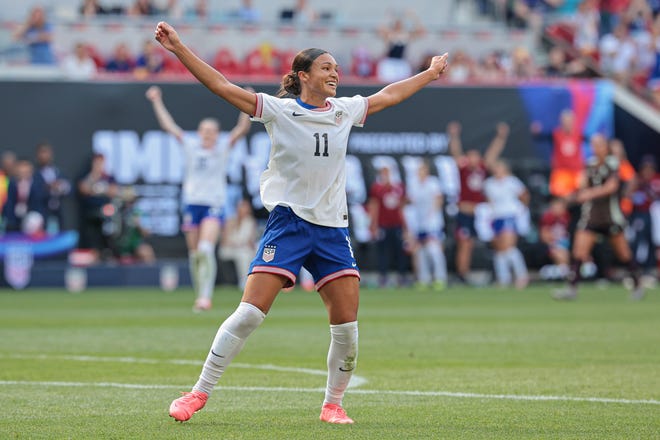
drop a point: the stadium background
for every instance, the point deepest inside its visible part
(110, 115)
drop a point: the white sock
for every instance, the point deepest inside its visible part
(438, 260)
(517, 262)
(228, 343)
(501, 269)
(208, 268)
(342, 359)
(193, 265)
(423, 270)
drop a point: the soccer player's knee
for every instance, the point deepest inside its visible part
(249, 317)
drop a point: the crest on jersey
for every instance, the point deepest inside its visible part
(338, 115)
(268, 254)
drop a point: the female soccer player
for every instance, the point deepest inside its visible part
(203, 191)
(505, 193)
(600, 216)
(304, 190)
(426, 201)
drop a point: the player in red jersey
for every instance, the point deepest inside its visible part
(473, 170)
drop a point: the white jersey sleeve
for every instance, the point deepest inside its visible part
(307, 165)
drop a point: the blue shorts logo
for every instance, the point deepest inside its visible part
(269, 254)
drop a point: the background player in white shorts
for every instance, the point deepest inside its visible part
(204, 189)
(304, 186)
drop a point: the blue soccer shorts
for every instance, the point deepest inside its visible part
(504, 224)
(194, 214)
(290, 243)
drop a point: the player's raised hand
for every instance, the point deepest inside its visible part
(439, 64)
(454, 128)
(154, 93)
(167, 36)
(502, 129)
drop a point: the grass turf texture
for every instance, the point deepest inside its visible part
(105, 364)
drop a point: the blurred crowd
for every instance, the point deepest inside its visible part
(619, 39)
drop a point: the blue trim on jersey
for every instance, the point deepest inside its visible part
(290, 243)
(304, 104)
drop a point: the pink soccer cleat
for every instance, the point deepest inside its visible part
(201, 305)
(332, 413)
(185, 406)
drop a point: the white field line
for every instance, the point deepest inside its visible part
(354, 391)
(356, 380)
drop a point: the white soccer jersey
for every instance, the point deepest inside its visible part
(307, 168)
(504, 195)
(423, 196)
(205, 180)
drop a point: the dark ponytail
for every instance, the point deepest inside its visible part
(290, 84)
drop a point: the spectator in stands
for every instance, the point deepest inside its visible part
(92, 8)
(567, 160)
(644, 190)
(554, 234)
(522, 64)
(587, 24)
(143, 8)
(568, 8)
(121, 60)
(397, 34)
(26, 193)
(57, 185)
(507, 197)
(300, 14)
(556, 67)
(611, 12)
(97, 189)
(8, 163)
(653, 82)
(150, 61)
(490, 68)
(426, 230)
(473, 170)
(247, 13)
(79, 65)
(529, 13)
(37, 33)
(199, 10)
(239, 240)
(462, 68)
(385, 206)
(363, 63)
(617, 54)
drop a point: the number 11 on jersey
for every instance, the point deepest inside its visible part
(318, 137)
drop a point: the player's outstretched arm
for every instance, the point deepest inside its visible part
(165, 119)
(399, 91)
(215, 81)
(497, 144)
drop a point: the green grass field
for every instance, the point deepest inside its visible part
(461, 364)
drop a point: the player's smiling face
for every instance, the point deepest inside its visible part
(323, 77)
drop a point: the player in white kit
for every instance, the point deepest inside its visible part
(507, 196)
(426, 200)
(304, 188)
(204, 188)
